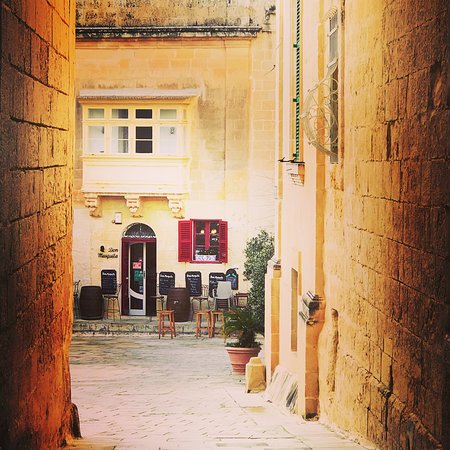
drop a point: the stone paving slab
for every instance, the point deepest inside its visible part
(139, 392)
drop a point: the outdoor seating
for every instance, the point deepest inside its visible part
(200, 303)
(113, 304)
(166, 322)
(217, 317)
(223, 301)
(223, 296)
(202, 322)
(241, 299)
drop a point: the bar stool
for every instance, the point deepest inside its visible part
(169, 316)
(113, 304)
(217, 316)
(199, 327)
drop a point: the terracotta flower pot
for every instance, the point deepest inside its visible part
(240, 356)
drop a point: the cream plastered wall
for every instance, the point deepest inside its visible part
(298, 212)
(231, 144)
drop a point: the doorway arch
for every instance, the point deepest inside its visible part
(138, 270)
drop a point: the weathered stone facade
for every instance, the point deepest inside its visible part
(36, 117)
(371, 237)
(386, 260)
(222, 54)
(138, 13)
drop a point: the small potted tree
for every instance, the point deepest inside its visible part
(246, 323)
(243, 325)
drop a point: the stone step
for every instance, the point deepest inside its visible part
(127, 325)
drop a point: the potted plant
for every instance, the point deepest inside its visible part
(243, 325)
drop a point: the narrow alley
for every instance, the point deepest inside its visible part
(138, 392)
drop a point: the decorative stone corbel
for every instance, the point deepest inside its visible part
(92, 202)
(134, 205)
(176, 205)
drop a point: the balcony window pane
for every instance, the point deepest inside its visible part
(119, 140)
(144, 147)
(144, 136)
(168, 114)
(144, 132)
(96, 113)
(168, 140)
(96, 139)
(144, 114)
(120, 113)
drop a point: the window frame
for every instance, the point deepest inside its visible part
(156, 123)
(188, 241)
(333, 72)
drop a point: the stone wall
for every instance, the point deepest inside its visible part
(230, 135)
(36, 115)
(134, 13)
(386, 229)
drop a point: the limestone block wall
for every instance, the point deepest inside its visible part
(161, 13)
(386, 230)
(36, 116)
(231, 135)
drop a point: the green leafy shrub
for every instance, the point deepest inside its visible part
(244, 325)
(258, 251)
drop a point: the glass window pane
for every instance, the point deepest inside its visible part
(119, 139)
(120, 132)
(144, 114)
(144, 146)
(96, 139)
(144, 132)
(199, 239)
(96, 113)
(168, 113)
(168, 140)
(96, 132)
(120, 113)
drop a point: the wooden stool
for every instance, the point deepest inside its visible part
(169, 316)
(215, 315)
(199, 315)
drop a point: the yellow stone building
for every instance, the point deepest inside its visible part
(174, 165)
(355, 295)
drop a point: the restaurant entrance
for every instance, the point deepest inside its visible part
(138, 270)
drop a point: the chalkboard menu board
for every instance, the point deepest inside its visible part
(231, 275)
(194, 283)
(109, 281)
(166, 281)
(214, 277)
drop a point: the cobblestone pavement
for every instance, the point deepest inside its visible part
(138, 392)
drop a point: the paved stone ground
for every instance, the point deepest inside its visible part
(138, 392)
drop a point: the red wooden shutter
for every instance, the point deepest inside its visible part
(184, 241)
(223, 241)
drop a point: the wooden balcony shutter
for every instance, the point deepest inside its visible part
(223, 241)
(184, 241)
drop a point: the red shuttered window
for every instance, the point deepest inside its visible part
(203, 241)
(184, 240)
